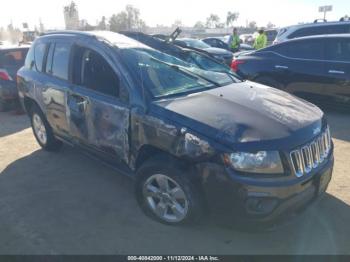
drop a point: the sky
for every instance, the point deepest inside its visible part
(165, 12)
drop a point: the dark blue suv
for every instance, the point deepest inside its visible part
(191, 139)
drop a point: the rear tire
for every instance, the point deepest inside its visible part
(166, 194)
(43, 131)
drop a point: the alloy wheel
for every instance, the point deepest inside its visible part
(165, 198)
(39, 129)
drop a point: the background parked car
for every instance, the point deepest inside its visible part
(197, 58)
(247, 38)
(11, 60)
(316, 28)
(189, 140)
(271, 35)
(316, 68)
(196, 44)
(223, 43)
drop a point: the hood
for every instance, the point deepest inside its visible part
(246, 114)
(217, 51)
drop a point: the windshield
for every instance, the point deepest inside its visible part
(195, 43)
(164, 75)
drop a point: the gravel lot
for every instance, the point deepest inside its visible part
(66, 203)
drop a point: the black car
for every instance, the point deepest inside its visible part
(220, 43)
(220, 54)
(190, 138)
(316, 68)
(197, 58)
(11, 59)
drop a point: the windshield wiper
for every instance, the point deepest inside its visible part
(185, 71)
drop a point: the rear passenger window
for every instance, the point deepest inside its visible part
(338, 50)
(309, 49)
(39, 55)
(60, 60)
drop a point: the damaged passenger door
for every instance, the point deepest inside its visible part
(97, 103)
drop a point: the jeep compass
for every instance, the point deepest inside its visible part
(191, 139)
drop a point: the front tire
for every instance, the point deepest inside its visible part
(166, 194)
(43, 131)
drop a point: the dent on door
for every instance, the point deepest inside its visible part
(101, 125)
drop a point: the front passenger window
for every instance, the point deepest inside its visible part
(92, 71)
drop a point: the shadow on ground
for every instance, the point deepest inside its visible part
(65, 203)
(18, 122)
(340, 124)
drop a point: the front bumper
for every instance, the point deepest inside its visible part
(258, 200)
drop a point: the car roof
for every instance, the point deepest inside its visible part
(318, 24)
(118, 40)
(14, 47)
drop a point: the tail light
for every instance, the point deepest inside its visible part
(4, 75)
(235, 63)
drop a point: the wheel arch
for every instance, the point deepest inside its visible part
(29, 103)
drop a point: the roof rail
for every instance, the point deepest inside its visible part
(320, 20)
(68, 32)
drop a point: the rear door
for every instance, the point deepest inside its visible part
(301, 68)
(337, 70)
(55, 84)
(98, 104)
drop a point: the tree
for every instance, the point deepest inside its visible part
(252, 25)
(132, 16)
(41, 26)
(102, 24)
(199, 25)
(231, 17)
(213, 21)
(127, 20)
(177, 23)
(119, 22)
(71, 9)
(270, 25)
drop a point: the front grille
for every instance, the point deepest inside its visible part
(310, 156)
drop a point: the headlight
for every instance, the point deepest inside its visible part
(267, 162)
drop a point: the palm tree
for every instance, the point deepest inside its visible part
(231, 17)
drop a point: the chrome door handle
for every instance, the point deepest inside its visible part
(281, 67)
(336, 72)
